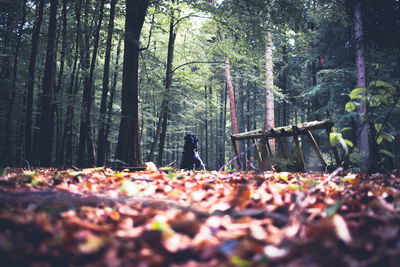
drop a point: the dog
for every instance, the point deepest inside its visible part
(190, 157)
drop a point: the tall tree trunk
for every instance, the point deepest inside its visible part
(168, 81)
(46, 119)
(58, 108)
(85, 133)
(7, 144)
(68, 129)
(360, 70)
(112, 94)
(207, 163)
(269, 95)
(101, 147)
(231, 98)
(5, 80)
(128, 148)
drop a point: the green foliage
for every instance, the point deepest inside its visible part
(332, 209)
(129, 188)
(382, 98)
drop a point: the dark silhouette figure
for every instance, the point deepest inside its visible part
(190, 157)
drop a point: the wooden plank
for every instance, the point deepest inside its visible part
(315, 147)
(285, 130)
(256, 151)
(299, 152)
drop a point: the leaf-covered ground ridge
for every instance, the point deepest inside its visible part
(103, 217)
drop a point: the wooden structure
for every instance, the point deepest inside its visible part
(286, 131)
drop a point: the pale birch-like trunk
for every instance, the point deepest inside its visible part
(360, 70)
(269, 95)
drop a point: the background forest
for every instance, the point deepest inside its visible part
(78, 88)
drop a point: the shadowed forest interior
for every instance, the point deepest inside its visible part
(108, 82)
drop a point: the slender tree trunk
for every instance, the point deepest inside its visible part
(85, 133)
(58, 107)
(128, 148)
(46, 120)
(101, 147)
(7, 144)
(231, 98)
(112, 94)
(206, 126)
(269, 95)
(6, 80)
(361, 83)
(168, 81)
(68, 129)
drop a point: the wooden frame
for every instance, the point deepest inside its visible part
(287, 131)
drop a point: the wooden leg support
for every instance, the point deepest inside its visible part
(299, 152)
(314, 145)
(282, 146)
(256, 152)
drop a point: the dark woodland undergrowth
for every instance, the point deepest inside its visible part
(103, 217)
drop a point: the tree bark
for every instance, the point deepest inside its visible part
(269, 95)
(101, 147)
(128, 147)
(85, 133)
(360, 70)
(231, 99)
(46, 119)
(112, 94)
(68, 129)
(7, 144)
(168, 81)
(5, 80)
(58, 107)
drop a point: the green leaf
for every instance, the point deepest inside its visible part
(355, 93)
(130, 188)
(345, 129)
(378, 126)
(348, 142)
(375, 102)
(379, 139)
(3, 172)
(171, 174)
(344, 145)
(332, 209)
(388, 137)
(386, 152)
(350, 106)
(238, 261)
(334, 138)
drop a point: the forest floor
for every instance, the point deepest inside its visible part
(101, 217)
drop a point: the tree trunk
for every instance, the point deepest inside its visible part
(101, 147)
(7, 144)
(231, 99)
(58, 108)
(46, 119)
(269, 95)
(68, 129)
(168, 81)
(128, 148)
(112, 94)
(206, 126)
(85, 133)
(360, 70)
(5, 80)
